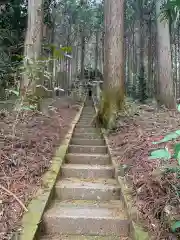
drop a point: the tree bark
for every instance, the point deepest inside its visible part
(96, 53)
(114, 57)
(142, 83)
(166, 96)
(82, 55)
(150, 57)
(32, 49)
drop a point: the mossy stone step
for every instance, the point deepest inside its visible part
(83, 158)
(87, 171)
(87, 135)
(88, 189)
(81, 237)
(86, 218)
(87, 149)
(90, 142)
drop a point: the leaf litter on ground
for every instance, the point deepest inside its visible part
(25, 157)
(132, 143)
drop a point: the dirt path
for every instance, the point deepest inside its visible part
(26, 157)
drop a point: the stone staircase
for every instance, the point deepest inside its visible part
(86, 203)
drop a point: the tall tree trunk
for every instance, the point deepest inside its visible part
(137, 36)
(83, 42)
(128, 67)
(53, 62)
(150, 57)
(32, 49)
(134, 62)
(96, 53)
(175, 61)
(142, 83)
(166, 95)
(114, 57)
(103, 49)
(178, 57)
(101, 56)
(82, 55)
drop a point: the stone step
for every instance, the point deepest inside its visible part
(90, 142)
(87, 117)
(88, 113)
(83, 125)
(87, 171)
(90, 116)
(111, 204)
(88, 189)
(87, 158)
(85, 122)
(87, 149)
(86, 130)
(87, 135)
(80, 129)
(82, 237)
(88, 109)
(86, 218)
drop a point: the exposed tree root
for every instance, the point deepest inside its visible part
(14, 196)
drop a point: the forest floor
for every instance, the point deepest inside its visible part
(27, 156)
(155, 194)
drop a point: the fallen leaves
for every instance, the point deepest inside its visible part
(25, 157)
(131, 145)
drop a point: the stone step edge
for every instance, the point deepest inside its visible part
(90, 203)
(87, 146)
(87, 159)
(87, 170)
(88, 183)
(87, 139)
(87, 166)
(81, 237)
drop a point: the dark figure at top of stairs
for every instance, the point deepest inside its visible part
(89, 91)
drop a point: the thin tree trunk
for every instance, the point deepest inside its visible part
(96, 53)
(83, 42)
(142, 83)
(128, 67)
(137, 58)
(150, 58)
(178, 53)
(175, 63)
(134, 59)
(82, 56)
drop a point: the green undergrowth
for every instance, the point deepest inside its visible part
(166, 158)
(111, 107)
(32, 99)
